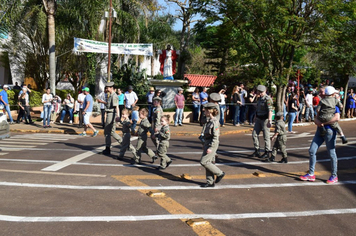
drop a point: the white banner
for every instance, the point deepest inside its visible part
(85, 45)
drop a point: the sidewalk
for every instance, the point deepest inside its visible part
(190, 129)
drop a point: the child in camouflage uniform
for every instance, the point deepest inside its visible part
(210, 139)
(142, 137)
(163, 138)
(281, 139)
(126, 135)
(326, 111)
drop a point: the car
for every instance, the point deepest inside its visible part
(4, 125)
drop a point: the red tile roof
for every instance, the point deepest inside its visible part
(200, 80)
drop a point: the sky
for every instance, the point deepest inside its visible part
(172, 9)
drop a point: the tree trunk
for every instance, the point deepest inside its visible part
(52, 53)
(345, 95)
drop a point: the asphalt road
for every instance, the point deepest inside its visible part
(56, 184)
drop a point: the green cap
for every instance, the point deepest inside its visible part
(85, 89)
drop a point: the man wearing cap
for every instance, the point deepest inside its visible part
(4, 101)
(80, 100)
(149, 97)
(112, 112)
(130, 98)
(87, 110)
(179, 101)
(263, 122)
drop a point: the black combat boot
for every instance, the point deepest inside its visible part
(269, 159)
(107, 151)
(284, 160)
(265, 155)
(256, 153)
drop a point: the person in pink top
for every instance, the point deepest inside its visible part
(179, 101)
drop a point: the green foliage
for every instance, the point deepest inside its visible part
(129, 74)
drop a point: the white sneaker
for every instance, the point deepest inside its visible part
(70, 122)
(61, 121)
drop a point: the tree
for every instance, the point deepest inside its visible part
(186, 14)
(273, 30)
(50, 7)
(340, 54)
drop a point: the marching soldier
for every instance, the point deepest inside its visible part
(156, 119)
(112, 112)
(262, 122)
(211, 131)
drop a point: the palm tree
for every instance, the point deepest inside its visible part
(50, 9)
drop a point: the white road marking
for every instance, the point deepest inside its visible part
(22, 142)
(50, 173)
(77, 158)
(72, 160)
(32, 219)
(255, 163)
(160, 187)
(15, 145)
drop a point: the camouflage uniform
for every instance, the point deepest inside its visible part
(156, 123)
(264, 106)
(163, 136)
(142, 140)
(110, 125)
(281, 139)
(211, 131)
(126, 143)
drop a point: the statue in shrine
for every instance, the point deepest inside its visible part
(168, 59)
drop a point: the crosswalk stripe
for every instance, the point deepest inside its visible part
(196, 187)
(32, 219)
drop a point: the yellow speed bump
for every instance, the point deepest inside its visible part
(197, 222)
(259, 174)
(156, 193)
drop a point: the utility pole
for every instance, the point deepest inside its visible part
(109, 51)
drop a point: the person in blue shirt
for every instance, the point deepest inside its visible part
(5, 101)
(134, 118)
(330, 140)
(121, 101)
(203, 100)
(87, 110)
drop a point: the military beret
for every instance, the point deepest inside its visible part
(109, 84)
(157, 98)
(279, 114)
(215, 97)
(209, 105)
(261, 88)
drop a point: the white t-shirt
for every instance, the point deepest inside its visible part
(81, 98)
(130, 98)
(222, 96)
(309, 99)
(47, 97)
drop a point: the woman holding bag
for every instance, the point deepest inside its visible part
(68, 105)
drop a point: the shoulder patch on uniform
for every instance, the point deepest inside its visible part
(216, 127)
(167, 131)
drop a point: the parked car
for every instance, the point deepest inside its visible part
(4, 125)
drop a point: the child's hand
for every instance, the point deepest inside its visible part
(208, 151)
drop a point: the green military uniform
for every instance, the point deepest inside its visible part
(156, 123)
(110, 125)
(126, 143)
(281, 139)
(211, 132)
(142, 141)
(163, 137)
(264, 106)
